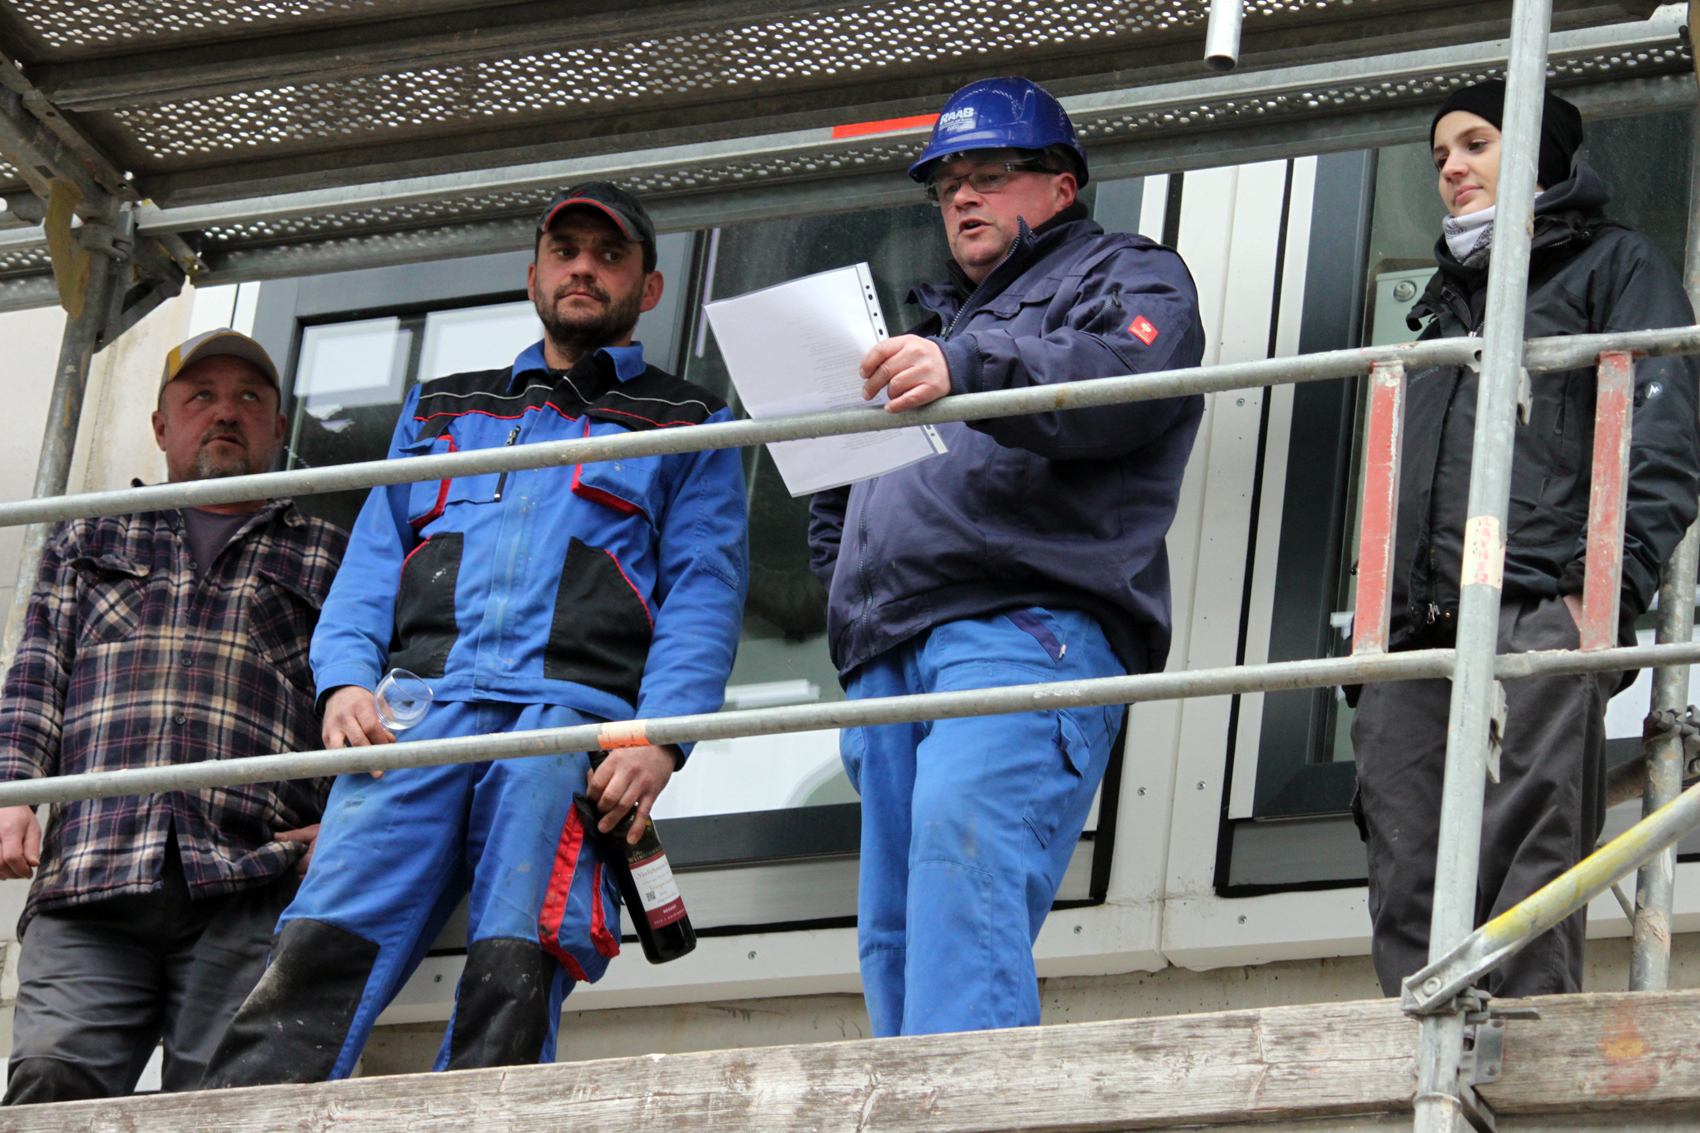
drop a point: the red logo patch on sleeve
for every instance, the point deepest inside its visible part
(1142, 329)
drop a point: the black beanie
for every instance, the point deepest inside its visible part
(1561, 125)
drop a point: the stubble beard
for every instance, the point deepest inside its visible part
(209, 467)
(576, 336)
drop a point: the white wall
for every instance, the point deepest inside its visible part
(30, 341)
(114, 442)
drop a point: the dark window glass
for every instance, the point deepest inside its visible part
(785, 618)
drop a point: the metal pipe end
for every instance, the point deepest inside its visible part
(1222, 34)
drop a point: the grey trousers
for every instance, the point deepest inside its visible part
(1543, 816)
(100, 985)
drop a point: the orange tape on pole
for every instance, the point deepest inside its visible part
(1383, 442)
(1607, 496)
(622, 733)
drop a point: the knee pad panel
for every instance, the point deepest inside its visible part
(502, 1008)
(294, 1023)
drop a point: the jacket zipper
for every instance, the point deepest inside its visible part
(862, 552)
(1457, 304)
(862, 519)
(502, 483)
(968, 305)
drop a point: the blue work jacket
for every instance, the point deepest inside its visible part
(1059, 509)
(615, 588)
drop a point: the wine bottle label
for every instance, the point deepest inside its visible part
(662, 904)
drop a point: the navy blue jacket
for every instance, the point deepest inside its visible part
(1065, 509)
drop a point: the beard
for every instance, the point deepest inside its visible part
(210, 467)
(578, 335)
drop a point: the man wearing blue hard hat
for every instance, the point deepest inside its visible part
(1031, 551)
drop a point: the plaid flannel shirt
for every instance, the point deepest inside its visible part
(128, 660)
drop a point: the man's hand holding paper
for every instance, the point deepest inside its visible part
(910, 369)
(794, 348)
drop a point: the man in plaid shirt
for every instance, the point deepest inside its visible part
(159, 638)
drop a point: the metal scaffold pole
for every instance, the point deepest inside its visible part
(81, 337)
(1474, 695)
(1649, 965)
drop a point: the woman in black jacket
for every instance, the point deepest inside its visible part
(1587, 275)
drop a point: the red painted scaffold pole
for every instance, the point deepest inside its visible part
(1384, 438)
(1607, 494)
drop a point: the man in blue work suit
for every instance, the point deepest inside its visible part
(533, 599)
(1032, 551)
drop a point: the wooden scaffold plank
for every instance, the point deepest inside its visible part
(1589, 1057)
(1213, 1068)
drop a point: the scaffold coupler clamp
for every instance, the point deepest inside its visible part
(1686, 724)
(1483, 1060)
(105, 240)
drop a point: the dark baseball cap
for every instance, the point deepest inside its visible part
(624, 209)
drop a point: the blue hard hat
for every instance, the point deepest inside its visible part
(1007, 113)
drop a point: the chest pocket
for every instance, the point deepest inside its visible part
(1028, 310)
(428, 499)
(630, 487)
(114, 601)
(281, 619)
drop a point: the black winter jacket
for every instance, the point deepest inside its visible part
(1587, 276)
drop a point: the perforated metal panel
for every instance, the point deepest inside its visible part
(838, 44)
(22, 261)
(794, 73)
(81, 24)
(874, 154)
(74, 24)
(1661, 59)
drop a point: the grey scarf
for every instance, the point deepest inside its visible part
(1470, 237)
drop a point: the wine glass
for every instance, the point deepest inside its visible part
(402, 699)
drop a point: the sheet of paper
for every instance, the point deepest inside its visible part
(794, 348)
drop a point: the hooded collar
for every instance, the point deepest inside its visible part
(1563, 212)
(1570, 212)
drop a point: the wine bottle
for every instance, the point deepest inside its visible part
(646, 884)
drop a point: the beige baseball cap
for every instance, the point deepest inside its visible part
(215, 342)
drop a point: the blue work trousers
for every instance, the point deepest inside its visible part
(968, 825)
(396, 855)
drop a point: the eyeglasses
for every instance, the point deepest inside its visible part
(986, 179)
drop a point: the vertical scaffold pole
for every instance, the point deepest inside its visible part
(1655, 886)
(1440, 1044)
(1222, 34)
(77, 345)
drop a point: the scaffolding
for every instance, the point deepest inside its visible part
(62, 117)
